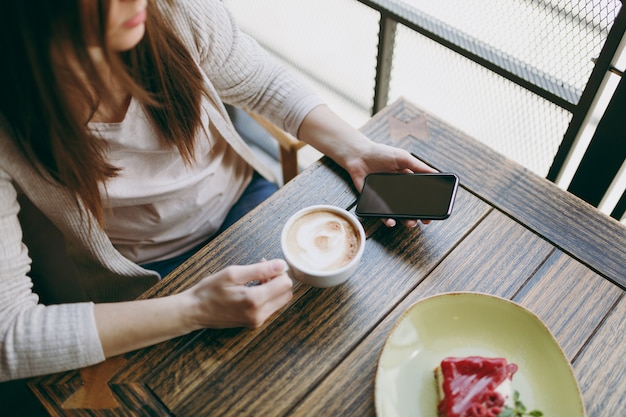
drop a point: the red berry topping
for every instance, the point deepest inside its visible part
(493, 399)
(477, 410)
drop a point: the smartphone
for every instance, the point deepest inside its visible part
(408, 196)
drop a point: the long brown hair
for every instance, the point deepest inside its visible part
(44, 100)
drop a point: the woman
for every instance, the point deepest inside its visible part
(112, 126)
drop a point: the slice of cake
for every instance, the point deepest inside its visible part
(474, 386)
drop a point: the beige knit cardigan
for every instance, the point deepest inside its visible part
(37, 339)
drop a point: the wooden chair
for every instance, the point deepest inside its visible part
(289, 146)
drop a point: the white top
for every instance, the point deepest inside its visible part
(159, 207)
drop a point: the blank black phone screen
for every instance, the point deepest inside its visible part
(419, 196)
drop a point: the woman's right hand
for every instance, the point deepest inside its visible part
(223, 300)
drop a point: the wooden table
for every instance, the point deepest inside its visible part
(511, 234)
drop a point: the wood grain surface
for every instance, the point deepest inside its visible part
(511, 234)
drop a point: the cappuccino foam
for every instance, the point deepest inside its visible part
(322, 241)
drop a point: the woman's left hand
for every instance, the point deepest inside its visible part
(355, 152)
(383, 158)
(378, 157)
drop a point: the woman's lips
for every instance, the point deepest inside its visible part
(136, 20)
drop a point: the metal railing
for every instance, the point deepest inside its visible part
(569, 97)
(491, 58)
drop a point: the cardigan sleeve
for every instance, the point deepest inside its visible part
(36, 339)
(242, 72)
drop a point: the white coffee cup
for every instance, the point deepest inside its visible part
(322, 245)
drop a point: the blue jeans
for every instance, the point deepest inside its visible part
(254, 194)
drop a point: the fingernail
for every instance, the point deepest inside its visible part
(279, 265)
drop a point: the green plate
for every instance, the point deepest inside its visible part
(467, 324)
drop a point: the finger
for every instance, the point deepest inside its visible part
(270, 297)
(276, 269)
(389, 222)
(272, 288)
(242, 274)
(256, 282)
(269, 270)
(410, 223)
(358, 183)
(417, 165)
